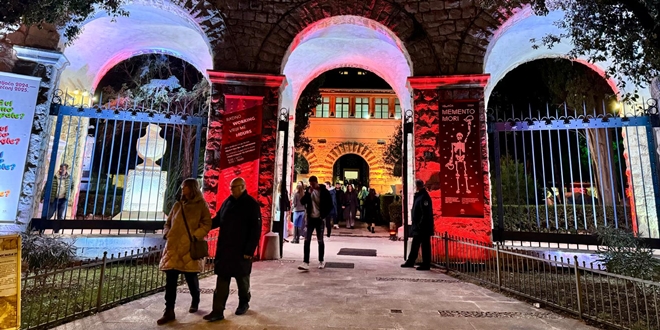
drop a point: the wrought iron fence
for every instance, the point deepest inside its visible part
(558, 172)
(125, 163)
(588, 291)
(62, 295)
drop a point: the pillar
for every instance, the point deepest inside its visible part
(241, 138)
(447, 108)
(48, 66)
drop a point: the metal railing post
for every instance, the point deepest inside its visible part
(446, 239)
(578, 286)
(497, 262)
(99, 294)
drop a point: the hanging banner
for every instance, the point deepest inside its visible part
(241, 144)
(461, 181)
(18, 97)
(10, 282)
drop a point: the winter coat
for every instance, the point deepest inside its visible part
(239, 220)
(372, 209)
(326, 202)
(350, 202)
(339, 200)
(176, 255)
(333, 197)
(422, 215)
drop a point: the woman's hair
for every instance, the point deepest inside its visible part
(300, 187)
(349, 186)
(372, 192)
(193, 186)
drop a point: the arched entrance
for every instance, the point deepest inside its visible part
(351, 168)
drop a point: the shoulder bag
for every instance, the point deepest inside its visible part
(198, 249)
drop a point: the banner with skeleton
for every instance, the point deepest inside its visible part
(461, 181)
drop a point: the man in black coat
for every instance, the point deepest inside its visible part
(239, 220)
(421, 229)
(339, 198)
(318, 204)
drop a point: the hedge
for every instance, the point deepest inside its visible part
(524, 217)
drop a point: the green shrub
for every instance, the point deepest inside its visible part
(623, 253)
(385, 201)
(396, 213)
(524, 217)
(42, 253)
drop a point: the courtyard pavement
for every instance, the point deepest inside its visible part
(375, 294)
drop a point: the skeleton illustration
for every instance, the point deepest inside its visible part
(458, 152)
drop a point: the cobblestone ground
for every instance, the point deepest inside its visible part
(375, 294)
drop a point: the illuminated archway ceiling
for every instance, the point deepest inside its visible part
(148, 29)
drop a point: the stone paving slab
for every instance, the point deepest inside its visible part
(339, 298)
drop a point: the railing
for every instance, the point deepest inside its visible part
(62, 295)
(584, 290)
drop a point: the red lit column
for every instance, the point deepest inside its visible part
(451, 152)
(241, 138)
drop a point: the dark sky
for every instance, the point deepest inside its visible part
(334, 79)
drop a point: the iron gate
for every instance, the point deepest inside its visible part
(125, 164)
(560, 174)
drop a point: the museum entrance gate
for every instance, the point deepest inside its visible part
(126, 164)
(559, 175)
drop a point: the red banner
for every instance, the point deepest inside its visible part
(461, 178)
(241, 143)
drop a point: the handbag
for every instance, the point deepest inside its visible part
(198, 249)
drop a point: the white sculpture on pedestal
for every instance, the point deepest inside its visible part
(144, 189)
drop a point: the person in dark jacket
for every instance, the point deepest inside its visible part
(350, 204)
(330, 220)
(421, 229)
(318, 203)
(239, 220)
(339, 201)
(371, 210)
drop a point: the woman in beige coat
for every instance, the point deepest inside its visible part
(176, 256)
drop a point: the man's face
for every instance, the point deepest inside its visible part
(327, 185)
(314, 185)
(63, 169)
(237, 187)
(338, 186)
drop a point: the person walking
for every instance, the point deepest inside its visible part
(298, 212)
(318, 204)
(371, 210)
(421, 229)
(350, 206)
(239, 220)
(362, 195)
(339, 201)
(59, 195)
(189, 217)
(330, 219)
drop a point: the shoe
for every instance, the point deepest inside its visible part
(242, 309)
(304, 266)
(194, 306)
(335, 227)
(407, 265)
(352, 227)
(373, 231)
(214, 316)
(368, 228)
(322, 265)
(424, 268)
(168, 317)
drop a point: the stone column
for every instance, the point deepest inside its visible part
(244, 93)
(431, 95)
(47, 65)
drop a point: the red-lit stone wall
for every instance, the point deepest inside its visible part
(428, 93)
(243, 85)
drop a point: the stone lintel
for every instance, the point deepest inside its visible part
(245, 79)
(449, 82)
(46, 57)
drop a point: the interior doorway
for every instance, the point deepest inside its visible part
(351, 168)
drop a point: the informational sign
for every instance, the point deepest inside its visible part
(461, 179)
(10, 282)
(18, 97)
(241, 144)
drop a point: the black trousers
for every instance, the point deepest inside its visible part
(222, 291)
(314, 224)
(425, 242)
(171, 282)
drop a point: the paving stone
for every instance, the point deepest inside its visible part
(359, 298)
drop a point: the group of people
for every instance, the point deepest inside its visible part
(346, 203)
(239, 221)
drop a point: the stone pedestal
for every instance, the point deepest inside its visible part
(144, 195)
(429, 93)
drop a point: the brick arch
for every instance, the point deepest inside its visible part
(403, 24)
(311, 159)
(356, 148)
